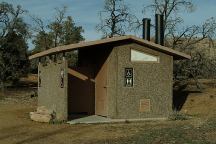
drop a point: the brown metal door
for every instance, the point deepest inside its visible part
(101, 91)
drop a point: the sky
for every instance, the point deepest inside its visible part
(85, 12)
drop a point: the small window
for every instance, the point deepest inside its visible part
(138, 56)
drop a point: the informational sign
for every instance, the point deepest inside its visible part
(144, 105)
(128, 77)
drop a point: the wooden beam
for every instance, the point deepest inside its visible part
(77, 74)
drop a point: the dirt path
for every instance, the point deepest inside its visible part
(17, 128)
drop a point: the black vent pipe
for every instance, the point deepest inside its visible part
(146, 28)
(159, 30)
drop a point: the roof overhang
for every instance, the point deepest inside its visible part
(66, 48)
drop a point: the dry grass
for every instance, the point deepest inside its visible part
(17, 128)
(201, 103)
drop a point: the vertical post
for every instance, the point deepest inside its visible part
(63, 57)
(55, 57)
(62, 73)
(50, 59)
(39, 73)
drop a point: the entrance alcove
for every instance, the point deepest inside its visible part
(87, 82)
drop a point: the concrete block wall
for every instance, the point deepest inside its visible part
(152, 82)
(50, 93)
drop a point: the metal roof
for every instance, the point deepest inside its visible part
(66, 48)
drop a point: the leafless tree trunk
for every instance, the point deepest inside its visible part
(40, 27)
(114, 19)
(57, 25)
(183, 38)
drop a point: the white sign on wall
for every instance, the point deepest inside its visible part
(128, 77)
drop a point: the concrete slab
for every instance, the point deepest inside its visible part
(90, 120)
(95, 119)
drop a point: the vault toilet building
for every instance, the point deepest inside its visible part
(121, 78)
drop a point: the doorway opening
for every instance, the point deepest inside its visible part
(87, 83)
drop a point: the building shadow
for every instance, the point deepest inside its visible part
(180, 95)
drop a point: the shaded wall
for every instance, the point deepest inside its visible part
(50, 93)
(81, 80)
(152, 83)
(80, 91)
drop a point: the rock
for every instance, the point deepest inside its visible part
(44, 110)
(40, 117)
(31, 113)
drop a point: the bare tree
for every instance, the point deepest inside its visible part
(38, 24)
(41, 33)
(170, 9)
(184, 38)
(176, 34)
(114, 19)
(62, 30)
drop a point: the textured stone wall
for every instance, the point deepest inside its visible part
(152, 82)
(50, 93)
(152, 87)
(112, 76)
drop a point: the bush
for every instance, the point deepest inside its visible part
(178, 116)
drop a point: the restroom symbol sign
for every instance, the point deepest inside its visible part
(128, 77)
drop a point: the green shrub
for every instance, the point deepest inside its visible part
(178, 116)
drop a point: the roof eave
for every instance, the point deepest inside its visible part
(176, 54)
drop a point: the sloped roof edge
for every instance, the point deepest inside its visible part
(70, 47)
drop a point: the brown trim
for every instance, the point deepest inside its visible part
(77, 74)
(169, 51)
(101, 96)
(67, 48)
